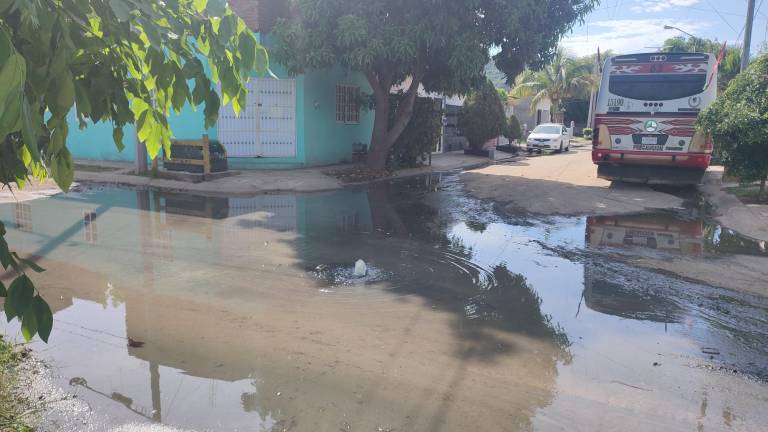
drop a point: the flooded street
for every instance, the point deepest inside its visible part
(244, 314)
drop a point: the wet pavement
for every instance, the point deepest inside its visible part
(245, 314)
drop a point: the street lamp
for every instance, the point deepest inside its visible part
(695, 39)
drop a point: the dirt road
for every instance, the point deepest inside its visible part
(563, 184)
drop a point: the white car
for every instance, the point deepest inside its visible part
(549, 136)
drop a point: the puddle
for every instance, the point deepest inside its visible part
(245, 313)
(679, 233)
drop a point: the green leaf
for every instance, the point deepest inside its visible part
(29, 263)
(12, 75)
(58, 138)
(3, 290)
(5, 4)
(63, 169)
(247, 47)
(82, 98)
(30, 126)
(121, 8)
(65, 94)
(6, 259)
(211, 111)
(117, 137)
(262, 61)
(10, 120)
(29, 322)
(216, 8)
(200, 92)
(180, 93)
(200, 5)
(19, 297)
(44, 318)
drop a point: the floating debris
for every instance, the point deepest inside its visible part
(361, 270)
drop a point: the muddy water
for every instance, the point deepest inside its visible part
(245, 314)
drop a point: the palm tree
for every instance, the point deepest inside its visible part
(564, 77)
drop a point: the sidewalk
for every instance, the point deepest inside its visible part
(750, 220)
(262, 181)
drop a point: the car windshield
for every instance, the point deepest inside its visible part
(547, 129)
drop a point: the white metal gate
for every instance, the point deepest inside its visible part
(267, 125)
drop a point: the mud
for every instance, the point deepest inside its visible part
(467, 320)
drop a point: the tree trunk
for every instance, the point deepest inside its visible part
(384, 136)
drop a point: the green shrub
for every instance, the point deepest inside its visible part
(483, 116)
(738, 122)
(512, 131)
(587, 132)
(421, 135)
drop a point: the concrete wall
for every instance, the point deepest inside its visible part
(95, 141)
(522, 110)
(326, 140)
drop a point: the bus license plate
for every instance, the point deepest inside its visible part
(649, 140)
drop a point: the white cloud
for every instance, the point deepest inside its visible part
(648, 6)
(627, 36)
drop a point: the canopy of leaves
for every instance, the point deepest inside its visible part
(738, 122)
(728, 68)
(115, 61)
(563, 77)
(483, 116)
(444, 42)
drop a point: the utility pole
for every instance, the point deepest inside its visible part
(747, 35)
(593, 94)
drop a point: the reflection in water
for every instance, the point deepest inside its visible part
(669, 232)
(252, 320)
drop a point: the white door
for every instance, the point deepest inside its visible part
(267, 125)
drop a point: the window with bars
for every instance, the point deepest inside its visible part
(24, 217)
(347, 104)
(90, 231)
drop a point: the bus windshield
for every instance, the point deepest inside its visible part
(657, 87)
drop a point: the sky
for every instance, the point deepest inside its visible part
(631, 26)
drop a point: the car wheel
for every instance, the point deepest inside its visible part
(568, 147)
(560, 150)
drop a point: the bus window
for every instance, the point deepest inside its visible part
(656, 87)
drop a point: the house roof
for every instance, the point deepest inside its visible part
(260, 15)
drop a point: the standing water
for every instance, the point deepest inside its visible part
(254, 314)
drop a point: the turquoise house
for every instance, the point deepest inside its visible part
(311, 119)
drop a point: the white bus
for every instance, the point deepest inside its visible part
(645, 114)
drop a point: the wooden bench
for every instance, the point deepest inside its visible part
(205, 151)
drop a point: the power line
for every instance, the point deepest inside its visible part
(722, 17)
(757, 11)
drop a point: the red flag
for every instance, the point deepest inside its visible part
(717, 64)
